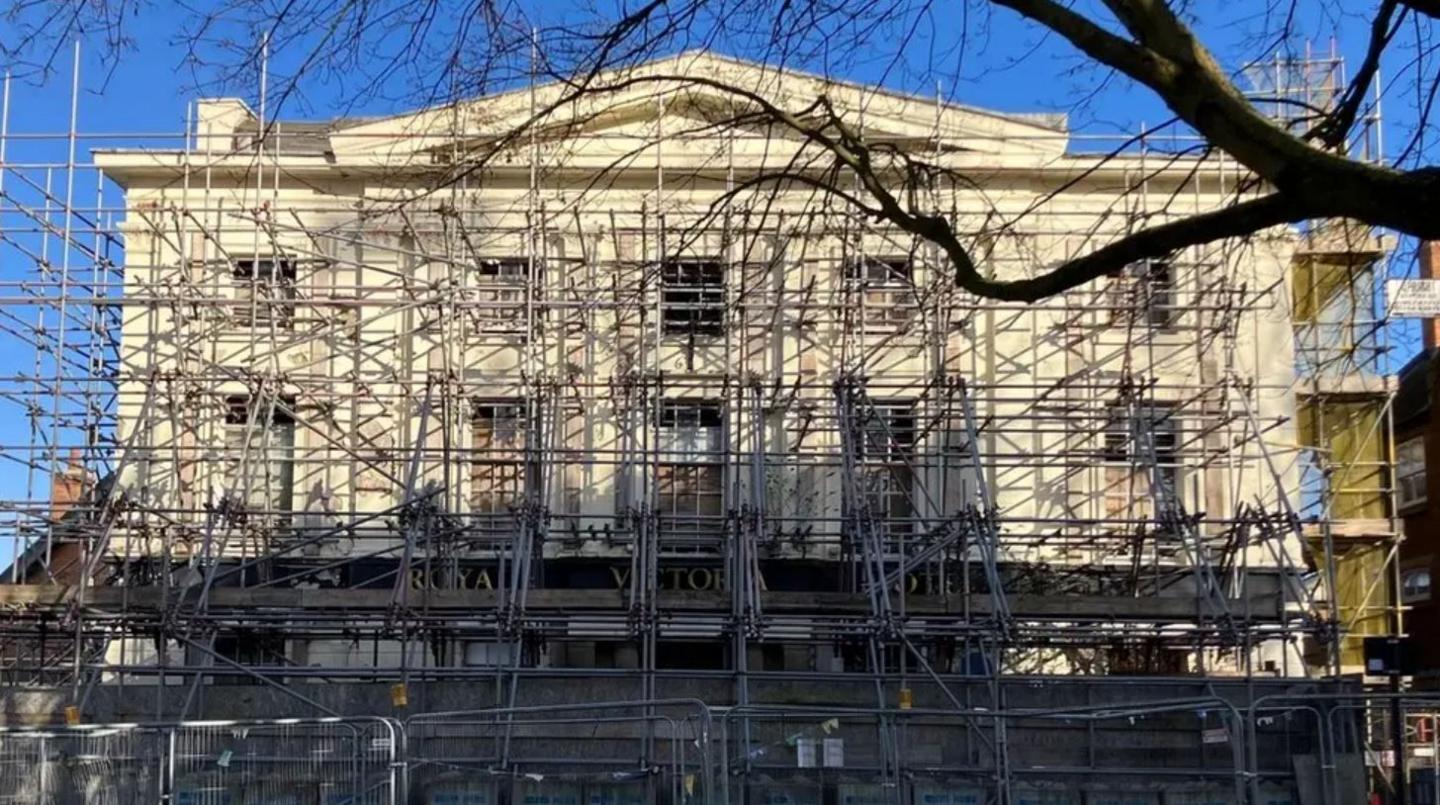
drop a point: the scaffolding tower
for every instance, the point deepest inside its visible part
(289, 423)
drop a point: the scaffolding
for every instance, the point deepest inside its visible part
(426, 423)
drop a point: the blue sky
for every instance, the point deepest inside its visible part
(1008, 65)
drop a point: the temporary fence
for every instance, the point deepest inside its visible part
(615, 753)
(273, 762)
(1305, 748)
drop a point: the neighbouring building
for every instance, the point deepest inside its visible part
(1417, 448)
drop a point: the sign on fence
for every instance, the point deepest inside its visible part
(805, 753)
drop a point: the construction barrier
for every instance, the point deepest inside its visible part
(272, 762)
(1301, 749)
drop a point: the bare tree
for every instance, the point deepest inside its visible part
(427, 52)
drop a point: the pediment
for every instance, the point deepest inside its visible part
(698, 96)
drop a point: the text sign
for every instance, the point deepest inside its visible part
(805, 753)
(1413, 298)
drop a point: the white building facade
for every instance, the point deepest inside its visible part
(644, 384)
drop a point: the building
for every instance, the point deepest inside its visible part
(1414, 435)
(1416, 443)
(595, 414)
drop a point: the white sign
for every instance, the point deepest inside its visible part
(805, 753)
(834, 753)
(1413, 298)
(1218, 735)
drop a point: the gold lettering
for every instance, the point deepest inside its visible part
(622, 576)
(482, 580)
(418, 580)
(675, 574)
(707, 579)
(465, 574)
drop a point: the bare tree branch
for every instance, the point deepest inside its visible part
(1302, 171)
(1427, 7)
(1336, 126)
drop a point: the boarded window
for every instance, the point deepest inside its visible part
(884, 288)
(264, 292)
(494, 296)
(690, 476)
(1145, 295)
(692, 297)
(1137, 439)
(497, 475)
(886, 453)
(259, 453)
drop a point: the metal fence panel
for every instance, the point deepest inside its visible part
(330, 762)
(281, 762)
(114, 765)
(619, 753)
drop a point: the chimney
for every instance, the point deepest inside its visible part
(1429, 265)
(216, 122)
(68, 487)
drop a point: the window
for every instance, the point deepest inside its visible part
(265, 292)
(495, 297)
(1157, 282)
(690, 476)
(592, 654)
(1136, 439)
(575, 464)
(772, 657)
(690, 655)
(245, 647)
(886, 454)
(960, 484)
(1143, 657)
(855, 657)
(1415, 586)
(692, 297)
(886, 287)
(488, 654)
(497, 472)
(259, 469)
(1410, 472)
(1146, 294)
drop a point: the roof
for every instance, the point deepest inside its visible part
(626, 102)
(687, 101)
(690, 83)
(75, 525)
